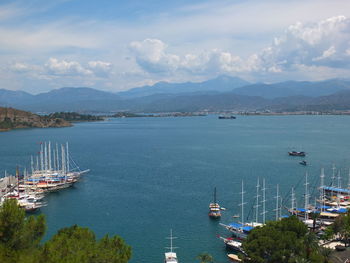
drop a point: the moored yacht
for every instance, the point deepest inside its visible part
(170, 256)
(214, 208)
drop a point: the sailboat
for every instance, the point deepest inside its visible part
(242, 229)
(214, 208)
(170, 257)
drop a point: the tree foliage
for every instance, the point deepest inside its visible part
(20, 238)
(285, 241)
(205, 258)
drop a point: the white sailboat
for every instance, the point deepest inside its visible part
(170, 256)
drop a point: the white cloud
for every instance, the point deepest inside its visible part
(100, 68)
(321, 44)
(63, 67)
(151, 55)
(325, 44)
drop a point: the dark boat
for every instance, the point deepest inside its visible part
(221, 117)
(214, 208)
(303, 163)
(294, 153)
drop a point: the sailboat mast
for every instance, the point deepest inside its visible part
(63, 160)
(277, 202)
(37, 163)
(41, 157)
(54, 159)
(32, 163)
(50, 165)
(339, 179)
(306, 196)
(322, 189)
(293, 199)
(257, 202)
(57, 158)
(67, 156)
(214, 195)
(264, 201)
(45, 156)
(242, 204)
(171, 240)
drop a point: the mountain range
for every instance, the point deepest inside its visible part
(221, 93)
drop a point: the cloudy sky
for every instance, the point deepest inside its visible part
(117, 45)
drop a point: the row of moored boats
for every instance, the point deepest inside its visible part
(51, 170)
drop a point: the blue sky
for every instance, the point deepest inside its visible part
(117, 45)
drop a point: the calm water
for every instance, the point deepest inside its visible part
(152, 174)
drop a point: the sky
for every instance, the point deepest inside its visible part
(118, 45)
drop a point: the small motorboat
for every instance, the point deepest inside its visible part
(294, 153)
(303, 163)
(234, 258)
(235, 216)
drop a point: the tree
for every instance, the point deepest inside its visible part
(205, 258)
(19, 235)
(281, 241)
(20, 238)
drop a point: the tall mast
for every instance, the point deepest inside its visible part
(339, 179)
(171, 241)
(37, 163)
(293, 200)
(41, 157)
(50, 165)
(67, 156)
(242, 205)
(63, 160)
(45, 155)
(322, 189)
(277, 202)
(333, 175)
(306, 196)
(264, 201)
(58, 158)
(54, 160)
(214, 195)
(257, 202)
(32, 163)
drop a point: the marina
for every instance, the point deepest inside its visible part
(160, 173)
(52, 172)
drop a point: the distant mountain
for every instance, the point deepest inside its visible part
(219, 84)
(294, 88)
(66, 99)
(291, 95)
(336, 101)
(11, 97)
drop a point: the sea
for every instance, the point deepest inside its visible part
(150, 175)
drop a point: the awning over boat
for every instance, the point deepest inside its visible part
(336, 190)
(235, 225)
(338, 210)
(247, 228)
(241, 226)
(327, 214)
(323, 207)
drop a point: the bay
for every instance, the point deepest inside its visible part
(152, 174)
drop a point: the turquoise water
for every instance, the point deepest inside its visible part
(152, 174)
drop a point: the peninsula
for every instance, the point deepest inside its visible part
(11, 118)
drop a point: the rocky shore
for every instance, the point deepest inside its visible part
(16, 119)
